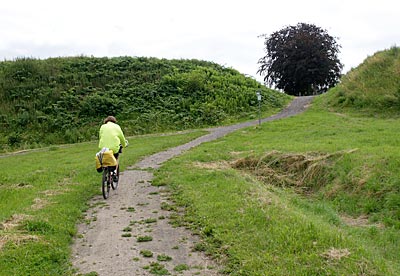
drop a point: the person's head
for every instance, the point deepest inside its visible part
(110, 119)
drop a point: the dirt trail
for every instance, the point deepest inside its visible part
(107, 241)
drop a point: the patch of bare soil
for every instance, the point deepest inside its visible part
(118, 233)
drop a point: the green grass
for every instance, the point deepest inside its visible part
(258, 228)
(373, 87)
(43, 194)
(146, 253)
(157, 269)
(181, 267)
(163, 258)
(144, 239)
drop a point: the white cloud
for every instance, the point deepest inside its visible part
(220, 31)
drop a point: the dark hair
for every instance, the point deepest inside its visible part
(110, 119)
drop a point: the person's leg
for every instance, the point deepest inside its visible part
(116, 168)
(116, 157)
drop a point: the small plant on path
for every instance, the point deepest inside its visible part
(158, 269)
(144, 238)
(146, 253)
(181, 267)
(164, 258)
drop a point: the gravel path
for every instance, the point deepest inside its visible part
(108, 241)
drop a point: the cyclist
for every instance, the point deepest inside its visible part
(112, 137)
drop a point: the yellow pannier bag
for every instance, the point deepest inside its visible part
(105, 158)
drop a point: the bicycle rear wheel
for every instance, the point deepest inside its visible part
(114, 181)
(105, 185)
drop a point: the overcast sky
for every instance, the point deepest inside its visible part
(223, 31)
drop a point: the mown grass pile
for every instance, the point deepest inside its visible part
(306, 172)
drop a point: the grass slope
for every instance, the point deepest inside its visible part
(372, 88)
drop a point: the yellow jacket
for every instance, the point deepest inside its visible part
(111, 136)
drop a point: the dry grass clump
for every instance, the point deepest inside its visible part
(39, 203)
(8, 232)
(336, 254)
(361, 221)
(220, 165)
(13, 222)
(16, 238)
(304, 171)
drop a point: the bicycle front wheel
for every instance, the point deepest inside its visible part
(105, 185)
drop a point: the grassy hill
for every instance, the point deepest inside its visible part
(63, 100)
(372, 88)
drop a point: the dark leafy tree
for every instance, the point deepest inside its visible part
(301, 60)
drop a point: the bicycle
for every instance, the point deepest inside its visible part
(110, 179)
(107, 163)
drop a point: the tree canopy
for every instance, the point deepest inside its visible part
(301, 60)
